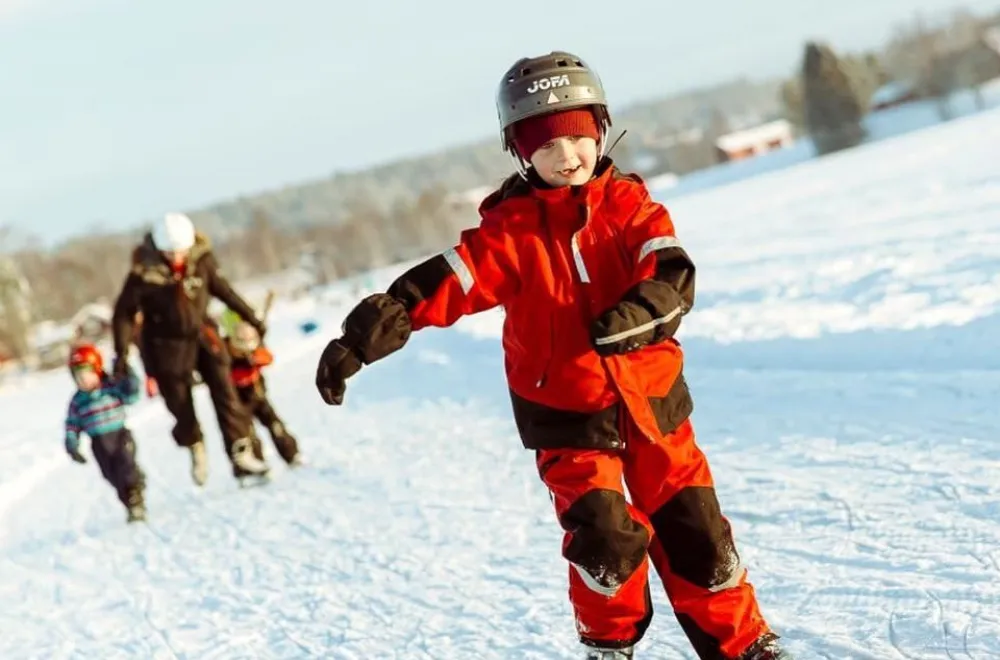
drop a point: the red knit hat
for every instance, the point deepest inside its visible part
(531, 133)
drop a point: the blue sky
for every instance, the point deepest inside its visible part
(114, 111)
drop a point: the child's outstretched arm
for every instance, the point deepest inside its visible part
(73, 430)
(651, 310)
(474, 276)
(127, 387)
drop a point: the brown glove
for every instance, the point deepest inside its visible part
(336, 365)
(377, 326)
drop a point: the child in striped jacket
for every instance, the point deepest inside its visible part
(98, 409)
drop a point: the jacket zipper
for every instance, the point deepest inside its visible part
(579, 269)
(589, 309)
(548, 361)
(540, 383)
(577, 252)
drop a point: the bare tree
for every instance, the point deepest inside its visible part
(265, 242)
(15, 308)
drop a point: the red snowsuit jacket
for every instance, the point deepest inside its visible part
(555, 259)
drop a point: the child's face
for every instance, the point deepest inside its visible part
(86, 378)
(245, 338)
(566, 161)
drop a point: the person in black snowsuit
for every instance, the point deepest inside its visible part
(248, 357)
(173, 277)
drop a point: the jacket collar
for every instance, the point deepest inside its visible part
(517, 193)
(149, 259)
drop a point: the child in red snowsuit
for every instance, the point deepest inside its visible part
(594, 284)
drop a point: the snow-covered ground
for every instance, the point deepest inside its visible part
(844, 366)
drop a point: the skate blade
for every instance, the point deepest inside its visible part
(254, 480)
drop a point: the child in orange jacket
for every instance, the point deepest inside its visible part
(594, 284)
(249, 356)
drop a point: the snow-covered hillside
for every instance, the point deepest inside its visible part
(880, 125)
(844, 366)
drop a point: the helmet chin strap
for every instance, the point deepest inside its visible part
(602, 143)
(519, 164)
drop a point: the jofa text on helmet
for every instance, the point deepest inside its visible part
(551, 82)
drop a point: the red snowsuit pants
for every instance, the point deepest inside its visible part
(674, 520)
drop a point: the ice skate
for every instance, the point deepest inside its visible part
(246, 479)
(247, 468)
(199, 463)
(244, 459)
(597, 653)
(252, 480)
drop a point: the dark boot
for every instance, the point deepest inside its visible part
(288, 449)
(135, 504)
(136, 513)
(284, 442)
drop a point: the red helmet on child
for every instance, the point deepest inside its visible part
(86, 355)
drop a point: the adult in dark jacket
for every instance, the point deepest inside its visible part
(173, 277)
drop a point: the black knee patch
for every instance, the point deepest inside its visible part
(696, 538)
(606, 542)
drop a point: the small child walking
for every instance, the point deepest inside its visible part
(97, 409)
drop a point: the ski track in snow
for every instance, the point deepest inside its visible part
(863, 491)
